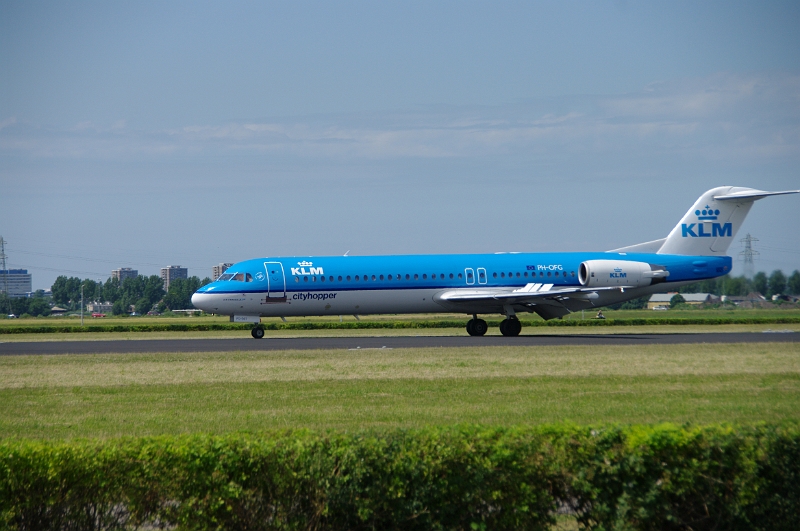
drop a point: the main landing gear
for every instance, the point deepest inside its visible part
(476, 327)
(510, 327)
(257, 332)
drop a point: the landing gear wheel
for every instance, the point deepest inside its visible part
(257, 332)
(510, 327)
(477, 327)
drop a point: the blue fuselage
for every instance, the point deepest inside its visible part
(336, 285)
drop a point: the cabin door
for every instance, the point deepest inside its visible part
(276, 282)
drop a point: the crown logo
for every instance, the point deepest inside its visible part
(617, 270)
(305, 264)
(706, 214)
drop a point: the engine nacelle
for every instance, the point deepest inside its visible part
(604, 273)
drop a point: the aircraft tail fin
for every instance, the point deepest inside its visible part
(708, 228)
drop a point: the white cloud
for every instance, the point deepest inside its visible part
(727, 115)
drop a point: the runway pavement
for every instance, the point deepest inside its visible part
(312, 343)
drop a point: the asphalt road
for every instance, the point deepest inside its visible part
(312, 343)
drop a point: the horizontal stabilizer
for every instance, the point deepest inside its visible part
(752, 195)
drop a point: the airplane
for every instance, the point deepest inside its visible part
(551, 285)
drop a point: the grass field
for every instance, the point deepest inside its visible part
(784, 311)
(112, 395)
(389, 332)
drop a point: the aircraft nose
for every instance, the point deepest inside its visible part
(198, 299)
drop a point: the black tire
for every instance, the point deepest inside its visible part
(257, 332)
(510, 327)
(479, 327)
(471, 327)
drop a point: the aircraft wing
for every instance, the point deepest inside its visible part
(534, 293)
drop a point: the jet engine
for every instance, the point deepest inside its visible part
(604, 273)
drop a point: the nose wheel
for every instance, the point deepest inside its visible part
(510, 327)
(257, 332)
(477, 327)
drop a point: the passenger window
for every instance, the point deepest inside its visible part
(572, 274)
(503, 275)
(548, 273)
(408, 277)
(313, 279)
(494, 275)
(460, 275)
(348, 278)
(451, 275)
(297, 279)
(305, 279)
(517, 274)
(322, 279)
(541, 273)
(424, 276)
(381, 277)
(416, 276)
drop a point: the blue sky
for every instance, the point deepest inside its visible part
(145, 134)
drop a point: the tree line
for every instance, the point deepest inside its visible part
(141, 293)
(776, 283)
(146, 293)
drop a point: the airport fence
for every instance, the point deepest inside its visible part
(606, 477)
(400, 324)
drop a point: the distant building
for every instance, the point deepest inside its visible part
(694, 299)
(19, 282)
(170, 273)
(32, 294)
(217, 270)
(751, 300)
(99, 307)
(124, 272)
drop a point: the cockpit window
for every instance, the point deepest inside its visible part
(226, 276)
(239, 277)
(248, 277)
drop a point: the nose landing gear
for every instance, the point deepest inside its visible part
(257, 332)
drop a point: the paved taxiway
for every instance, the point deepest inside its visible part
(312, 343)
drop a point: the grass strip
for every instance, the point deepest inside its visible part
(401, 324)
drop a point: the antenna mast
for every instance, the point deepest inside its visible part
(748, 255)
(3, 267)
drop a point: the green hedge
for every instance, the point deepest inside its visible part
(663, 477)
(351, 325)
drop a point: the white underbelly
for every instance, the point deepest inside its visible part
(310, 303)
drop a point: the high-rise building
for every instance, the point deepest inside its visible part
(124, 272)
(18, 282)
(170, 273)
(217, 270)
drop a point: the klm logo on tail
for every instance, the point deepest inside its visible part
(718, 230)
